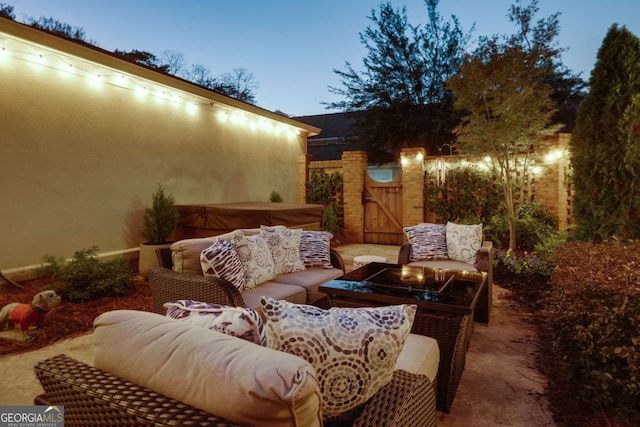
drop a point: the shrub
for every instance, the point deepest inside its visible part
(526, 263)
(593, 322)
(326, 189)
(275, 197)
(85, 278)
(161, 218)
(467, 196)
(534, 226)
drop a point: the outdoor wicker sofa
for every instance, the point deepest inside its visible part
(92, 397)
(186, 281)
(153, 370)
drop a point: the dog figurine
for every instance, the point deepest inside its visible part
(26, 315)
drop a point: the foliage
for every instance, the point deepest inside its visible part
(326, 189)
(592, 321)
(534, 225)
(85, 278)
(502, 89)
(239, 84)
(58, 28)
(330, 220)
(524, 264)
(401, 91)
(275, 197)
(605, 145)
(468, 195)
(6, 11)
(160, 219)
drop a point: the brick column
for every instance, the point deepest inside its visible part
(413, 167)
(354, 168)
(302, 176)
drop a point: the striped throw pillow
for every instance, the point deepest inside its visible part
(315, 249)
(428, 241)
(221, 259)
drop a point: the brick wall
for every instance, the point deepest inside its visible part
(549, 186)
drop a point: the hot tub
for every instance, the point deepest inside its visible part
(205, 220)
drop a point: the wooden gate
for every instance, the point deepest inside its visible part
(383, 211)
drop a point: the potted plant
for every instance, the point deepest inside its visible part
(159, 222)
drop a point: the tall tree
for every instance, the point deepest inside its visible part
(605, 145)
(507, 103)
(401, 92)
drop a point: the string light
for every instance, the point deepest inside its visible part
(69, 65)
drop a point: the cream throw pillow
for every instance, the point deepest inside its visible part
(464, 242)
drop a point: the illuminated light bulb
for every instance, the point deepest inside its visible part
(222, 116)
(404, 161)
(419, 157)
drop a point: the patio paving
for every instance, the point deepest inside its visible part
(499, 386)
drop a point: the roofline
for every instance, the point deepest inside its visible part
(105, 58)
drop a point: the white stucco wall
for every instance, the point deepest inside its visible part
(80, 159)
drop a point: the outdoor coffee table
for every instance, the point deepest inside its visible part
(446, 300)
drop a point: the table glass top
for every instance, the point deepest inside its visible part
(408, 282)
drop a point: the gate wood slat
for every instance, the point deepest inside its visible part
(383, 212)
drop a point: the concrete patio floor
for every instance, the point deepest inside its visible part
(499, 387)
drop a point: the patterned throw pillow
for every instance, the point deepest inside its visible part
(221, 259)
(284, 244)
(239, 322)
(428, 241)
(353, 350)
(256, 258)
(315, 249)
(464, 241)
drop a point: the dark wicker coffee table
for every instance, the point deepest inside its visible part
(446, 300)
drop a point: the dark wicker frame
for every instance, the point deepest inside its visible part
(167, 285)
(92, 397)
(484, 264)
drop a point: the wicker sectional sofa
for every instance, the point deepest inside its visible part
(181, 276)
(151, 370)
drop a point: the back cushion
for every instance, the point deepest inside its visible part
(186, 253)
(224, 375)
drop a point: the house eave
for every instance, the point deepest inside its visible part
(18, 32)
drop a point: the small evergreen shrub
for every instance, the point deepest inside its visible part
(161, 218)
(275, 197)
(593, 323)
(85, 278)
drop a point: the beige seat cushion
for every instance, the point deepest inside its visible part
(279, 291)
(226, 376)
(420, 355)
(310, 279)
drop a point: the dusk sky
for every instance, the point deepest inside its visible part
(292, 46)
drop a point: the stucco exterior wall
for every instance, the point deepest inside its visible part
(80, 159)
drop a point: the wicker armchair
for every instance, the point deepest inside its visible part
(484, 263)
(92, 397)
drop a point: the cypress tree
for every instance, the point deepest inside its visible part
(605, 144)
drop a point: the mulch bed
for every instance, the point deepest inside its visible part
(68, 319)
